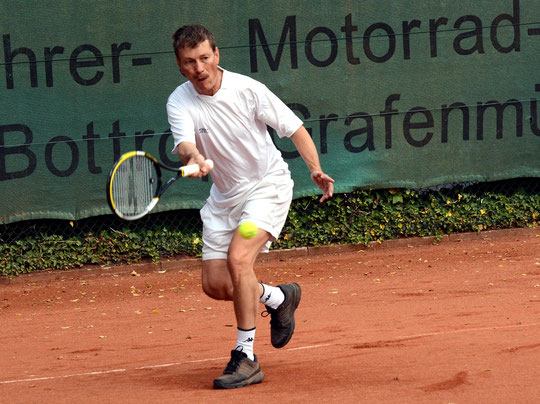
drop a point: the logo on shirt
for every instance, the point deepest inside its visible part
(203, 131)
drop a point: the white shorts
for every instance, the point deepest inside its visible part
(267, 206)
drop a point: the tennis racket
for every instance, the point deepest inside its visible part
(135, 183)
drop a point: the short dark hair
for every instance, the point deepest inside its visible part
(191, 36)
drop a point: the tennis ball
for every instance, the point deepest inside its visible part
(248, 230)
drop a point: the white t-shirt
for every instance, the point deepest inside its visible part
(230, 129)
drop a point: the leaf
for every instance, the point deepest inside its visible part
(397, 198)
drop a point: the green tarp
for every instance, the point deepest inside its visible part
(394, 93)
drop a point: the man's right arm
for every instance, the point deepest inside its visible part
(189, 154)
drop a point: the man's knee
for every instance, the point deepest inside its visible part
(216, 281)
(217, 290)
(238, 263)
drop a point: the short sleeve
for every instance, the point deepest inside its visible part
(276, 114)
(181, 123)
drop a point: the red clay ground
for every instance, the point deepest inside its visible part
(406, 321)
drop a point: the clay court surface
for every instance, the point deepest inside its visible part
(407, 321)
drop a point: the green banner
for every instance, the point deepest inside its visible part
(395, 94)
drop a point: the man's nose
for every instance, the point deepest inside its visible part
(199, 67)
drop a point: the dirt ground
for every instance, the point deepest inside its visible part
(405, 321)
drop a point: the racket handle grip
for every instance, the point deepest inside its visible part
(194, 168)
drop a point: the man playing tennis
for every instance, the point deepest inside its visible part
(222, 116)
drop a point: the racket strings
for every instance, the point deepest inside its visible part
(134, 185)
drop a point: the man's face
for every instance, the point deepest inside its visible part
(200, 66)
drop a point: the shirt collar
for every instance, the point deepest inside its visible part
(224, 83)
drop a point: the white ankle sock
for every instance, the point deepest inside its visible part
(272, 296)
(245, 341)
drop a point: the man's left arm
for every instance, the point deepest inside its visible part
(305, 146)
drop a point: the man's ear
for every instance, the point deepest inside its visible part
(180, 66)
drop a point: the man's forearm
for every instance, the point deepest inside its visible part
(188, 153)
(305, 146)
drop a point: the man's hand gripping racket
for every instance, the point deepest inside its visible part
(135, 183)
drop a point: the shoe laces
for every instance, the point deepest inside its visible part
(236, 358)
(274, 317)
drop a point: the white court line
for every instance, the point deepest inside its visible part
(165, 365)
(35, 379)
(502, 327)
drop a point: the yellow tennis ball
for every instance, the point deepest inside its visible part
(248, 230)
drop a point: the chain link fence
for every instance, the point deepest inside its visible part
(189, 220)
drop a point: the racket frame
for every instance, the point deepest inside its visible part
(160, 189)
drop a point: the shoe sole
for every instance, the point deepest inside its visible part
(254, 379)
(296, 295)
